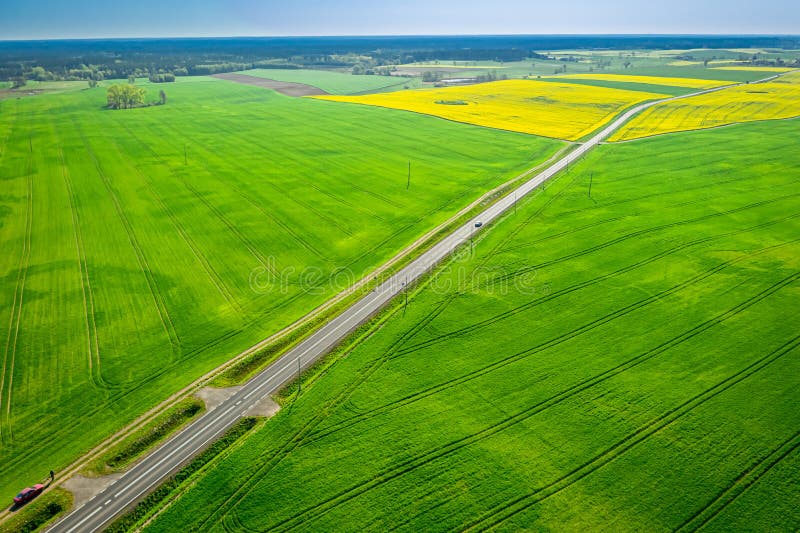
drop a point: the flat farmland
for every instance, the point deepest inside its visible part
(131, 238)
(563, 111)
(629, 357)
(748, 68)
(777, 99)
(690, 83)
(333, 82)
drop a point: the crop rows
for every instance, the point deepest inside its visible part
(131, 237)
(476, 409)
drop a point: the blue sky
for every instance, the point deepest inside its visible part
(26, 19)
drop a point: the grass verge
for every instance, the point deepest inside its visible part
(39, 513)
(121, 455)
(151, 504)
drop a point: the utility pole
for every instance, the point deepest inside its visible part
(515, 202)
(408, 183)
(591, 178)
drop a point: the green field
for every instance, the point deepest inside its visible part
(624, 361)
(634, 62)
(131, 238)
(337, 82)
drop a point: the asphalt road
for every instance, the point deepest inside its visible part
(169, 457)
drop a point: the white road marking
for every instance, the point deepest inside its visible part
(85, 518)
(170, 454)
(212, 437)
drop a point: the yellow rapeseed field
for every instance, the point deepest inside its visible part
(690, 83)
(744, 103)
(560, 110)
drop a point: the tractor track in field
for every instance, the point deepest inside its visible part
(211, 272)
(92, 337)
(284, 193)
(639, 233)
(263, 311)
(743, 482)
(10, 352)
(520, 227)
(501, 363)
(273, 458)
(408, 465)
(144, 266)
(604, 205)
(346, 231)
(209, 269)
(424, 458)
(502, 513)
(363, 141)
(66, 428)
(299, 162)
(287, 194)
(263, 261)
(579, 286)
(197, 149)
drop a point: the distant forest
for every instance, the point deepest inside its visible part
(122, 58)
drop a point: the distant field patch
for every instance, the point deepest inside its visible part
(449, 66)
(651, 80)
(283, 87)
(336, 82)
(563, 111)
(745, 103)
(756, 69)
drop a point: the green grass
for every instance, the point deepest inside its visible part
(125, 452)
(39, 513)
(126, 272)
(627, 359)
(334, 82)
(644, 63)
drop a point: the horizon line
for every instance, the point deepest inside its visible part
(390, 35)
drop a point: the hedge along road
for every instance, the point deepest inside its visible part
(164, 461)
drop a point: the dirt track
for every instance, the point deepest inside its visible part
(283, 87)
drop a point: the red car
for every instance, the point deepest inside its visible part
(28, 494)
